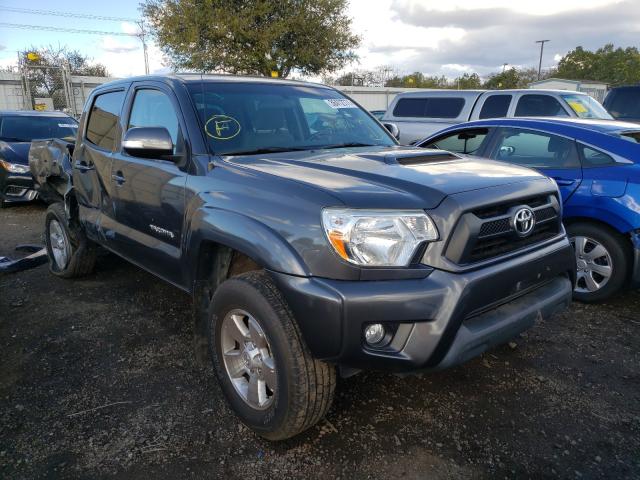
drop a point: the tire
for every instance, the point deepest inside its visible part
(304, 386)
(79, 252)
(616, 256)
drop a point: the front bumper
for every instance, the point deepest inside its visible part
(439, 321)
(16, 187)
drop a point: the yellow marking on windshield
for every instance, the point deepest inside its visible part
(222, 127)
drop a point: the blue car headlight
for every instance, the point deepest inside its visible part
(14, 167)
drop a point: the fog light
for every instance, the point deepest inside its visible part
(374, 333)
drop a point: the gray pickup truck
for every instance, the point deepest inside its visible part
(422, 113)
(310, 241)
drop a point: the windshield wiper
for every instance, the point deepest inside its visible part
(258, 151)
(347, 145)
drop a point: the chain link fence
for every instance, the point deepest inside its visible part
(46, 88)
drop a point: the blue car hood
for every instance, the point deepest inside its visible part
(387, 177)
(15, 152)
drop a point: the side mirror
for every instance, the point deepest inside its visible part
(393, 130)
(148, 142)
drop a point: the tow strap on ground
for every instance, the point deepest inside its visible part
(38, 257)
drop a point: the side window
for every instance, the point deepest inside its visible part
(466, 142)
(153, 108)
(594, 158)
(535, 149)
(103, 119)
(439, 107)
(535, 105)
(495, 106)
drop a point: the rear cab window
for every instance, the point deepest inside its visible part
(439, 107)
(102, 124)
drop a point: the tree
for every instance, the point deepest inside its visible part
(608, 64)
(468, 82)
(253, 36)
(515, 78)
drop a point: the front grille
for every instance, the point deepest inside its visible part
(488, 232)
(503, 208)
(15, 191)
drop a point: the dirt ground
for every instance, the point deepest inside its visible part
(98, 381)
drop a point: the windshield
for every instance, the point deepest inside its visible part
(25, 128)
(586, 107)
(245, 118)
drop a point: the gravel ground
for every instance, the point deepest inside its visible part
(98, 381)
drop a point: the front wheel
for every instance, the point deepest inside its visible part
(602, 261)
(265, 370)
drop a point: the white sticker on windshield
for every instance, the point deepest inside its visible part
(340, 103)
(68, 125)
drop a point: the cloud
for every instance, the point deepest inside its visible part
(463, 37)
(110, 44)
(2, 47)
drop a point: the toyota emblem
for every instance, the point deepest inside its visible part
(523, 221)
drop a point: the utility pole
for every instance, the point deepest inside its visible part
(144, 47)
(541, 42)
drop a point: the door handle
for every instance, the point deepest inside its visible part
(564, 182)
(83, 167)
(118, 178)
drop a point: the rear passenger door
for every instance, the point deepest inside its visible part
(92, 162)
(150, 192)
(553, 155)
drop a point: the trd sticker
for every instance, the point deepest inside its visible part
(67, 125)
(222, 127)
(340, 103)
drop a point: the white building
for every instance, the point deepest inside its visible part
(597, 90)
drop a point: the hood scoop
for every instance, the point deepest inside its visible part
(423, 158)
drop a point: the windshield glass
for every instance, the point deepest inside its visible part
(25, 128)
(586, 107)
(245, 118)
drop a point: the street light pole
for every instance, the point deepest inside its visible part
(541, 42)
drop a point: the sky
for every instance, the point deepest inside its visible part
(433, 37)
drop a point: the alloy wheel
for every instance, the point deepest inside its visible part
(59, 244)
(248, 359)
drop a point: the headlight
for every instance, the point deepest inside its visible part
(377, 237)
(14, 167)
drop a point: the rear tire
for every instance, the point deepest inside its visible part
(602, 258)
(71, 254)
(296, 389)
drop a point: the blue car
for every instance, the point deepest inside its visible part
(17, 129)
(596, 164)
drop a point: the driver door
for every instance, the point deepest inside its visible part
(149, 193)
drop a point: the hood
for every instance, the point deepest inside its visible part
(15, 152)
(387, 177)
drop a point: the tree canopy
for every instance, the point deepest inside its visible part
(253, 36)
(608, 64)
